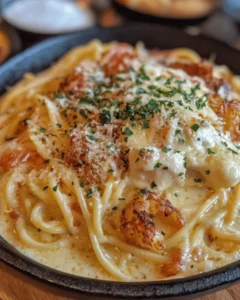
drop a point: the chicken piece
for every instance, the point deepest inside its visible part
(138, 220)
(176, 264)
(203, 70)
(15, 158)
(230, 112)
(118, 59)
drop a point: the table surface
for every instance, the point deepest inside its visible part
(15, 286)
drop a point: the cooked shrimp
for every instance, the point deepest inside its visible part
(118, 59)
(74, 84)
(203, 70)
(176, 264)
(16, 157)
(138, 220)
(87, 153)
(230, 112)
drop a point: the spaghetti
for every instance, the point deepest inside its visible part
(122, 163)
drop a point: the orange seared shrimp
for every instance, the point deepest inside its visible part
(118, 59)
(230, 112)
(138, 220)
(74, 84)
(203, 70)
(15, 158)
(176, 264)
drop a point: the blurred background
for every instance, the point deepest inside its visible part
(24, 23)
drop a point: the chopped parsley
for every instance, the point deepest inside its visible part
(230, 149)
(140, 91)
(128, 131)
(45, 188)
(182, 141)
(201, 102)
(153, 185)
(55, 188)
(166, 150)
(91, 138)
(195, 127)
(83, 114)
(89, 193)
(105, 117)
(110, 171)
(82, 185)
(121, 199)
(210, 151)
(177, 131)
(145, 124)
(158, 165)
(42, 129)
(207, 172)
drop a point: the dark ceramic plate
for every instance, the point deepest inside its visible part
(39, 58)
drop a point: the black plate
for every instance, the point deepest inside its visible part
(39, 58)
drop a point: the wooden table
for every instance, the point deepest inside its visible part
(15, 286)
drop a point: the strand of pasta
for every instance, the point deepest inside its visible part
(173, 240)
(28, 240)
(53, 227)
(233, 204)
(104, 261)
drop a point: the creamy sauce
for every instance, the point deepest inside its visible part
(136, 176)
(77, 256)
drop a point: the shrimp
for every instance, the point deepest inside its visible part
(15, 158)
(74, 84)
(230, 112)
(117, 59)
(203, 70)
(176, 264)
(138, 220)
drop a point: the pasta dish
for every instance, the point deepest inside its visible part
(172, 8)
(123, 163)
